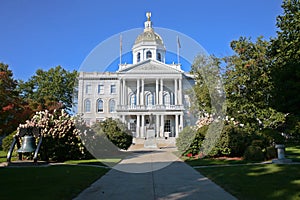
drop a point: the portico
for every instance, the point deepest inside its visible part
(146, 95)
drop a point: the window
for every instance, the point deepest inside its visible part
(112, 106)
(87, 105)
(100, 105)
(138, 57)
(167, 127)
(148, 54)
(113, 89)
(158, 56)
(88, 89)
(132, 99)
(100, 89)
(149, 99)
(167, 99)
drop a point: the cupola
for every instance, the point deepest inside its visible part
(148, 45)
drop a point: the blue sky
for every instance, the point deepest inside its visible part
(43, 34)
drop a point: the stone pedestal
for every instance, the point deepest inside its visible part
(150, 141)
(280, 153)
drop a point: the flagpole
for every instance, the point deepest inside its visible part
(178, 50)
(121, 49)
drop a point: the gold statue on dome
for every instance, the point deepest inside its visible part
(148, 15)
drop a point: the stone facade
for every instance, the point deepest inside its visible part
(148, 94)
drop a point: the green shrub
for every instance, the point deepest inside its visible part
(258, 143)
(271, 153)
(271, 136)
(233, 141)
(253, 153)
(189, 140)
(116, 132)
(7, 141)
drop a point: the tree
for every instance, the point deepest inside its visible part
(207, 92)
(12, 109)
(50, 89)
(249, 87)
(286, 53)
(286, 65)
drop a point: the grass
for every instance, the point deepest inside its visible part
(210, 161)
(293, 152)
(53, 182)
(100, 162)
(257, 181)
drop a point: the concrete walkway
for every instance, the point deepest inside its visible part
(153, 174)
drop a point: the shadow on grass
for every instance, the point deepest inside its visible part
(53, 182)
(258, 181)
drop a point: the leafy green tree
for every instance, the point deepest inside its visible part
(207, 92)
(50, 89)
(249, 87)
(286, 65)
(286, 52)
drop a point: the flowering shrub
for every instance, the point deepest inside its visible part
(61, 138)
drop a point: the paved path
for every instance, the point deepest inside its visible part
(164, 177)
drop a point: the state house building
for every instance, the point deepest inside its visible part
(147, 94)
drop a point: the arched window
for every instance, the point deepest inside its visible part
(100, 105)
(112, 106)
(132, 99)
(138, 57)
(148, 54)
(158, 56)
(167, 99)
(149, 99)
(87, 105)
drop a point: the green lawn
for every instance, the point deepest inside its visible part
(102, 162)
(268, 181)
(53, 182)
(256, 181)
(209, 161)
(293, 152)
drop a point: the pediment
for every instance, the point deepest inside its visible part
(151, 66)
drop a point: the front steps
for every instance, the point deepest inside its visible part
(160, 142)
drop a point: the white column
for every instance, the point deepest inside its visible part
(120, 92)
(142, 126)
(162, 125)
(180, 92)
(157, 125)
(123, 118)
(138, 92)
(161, 92)
(137, 126)
(176, 125)
(180, 124)
(175, 91)
(128, 125)
(142, 97)
(124, 96)
(156, 93)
